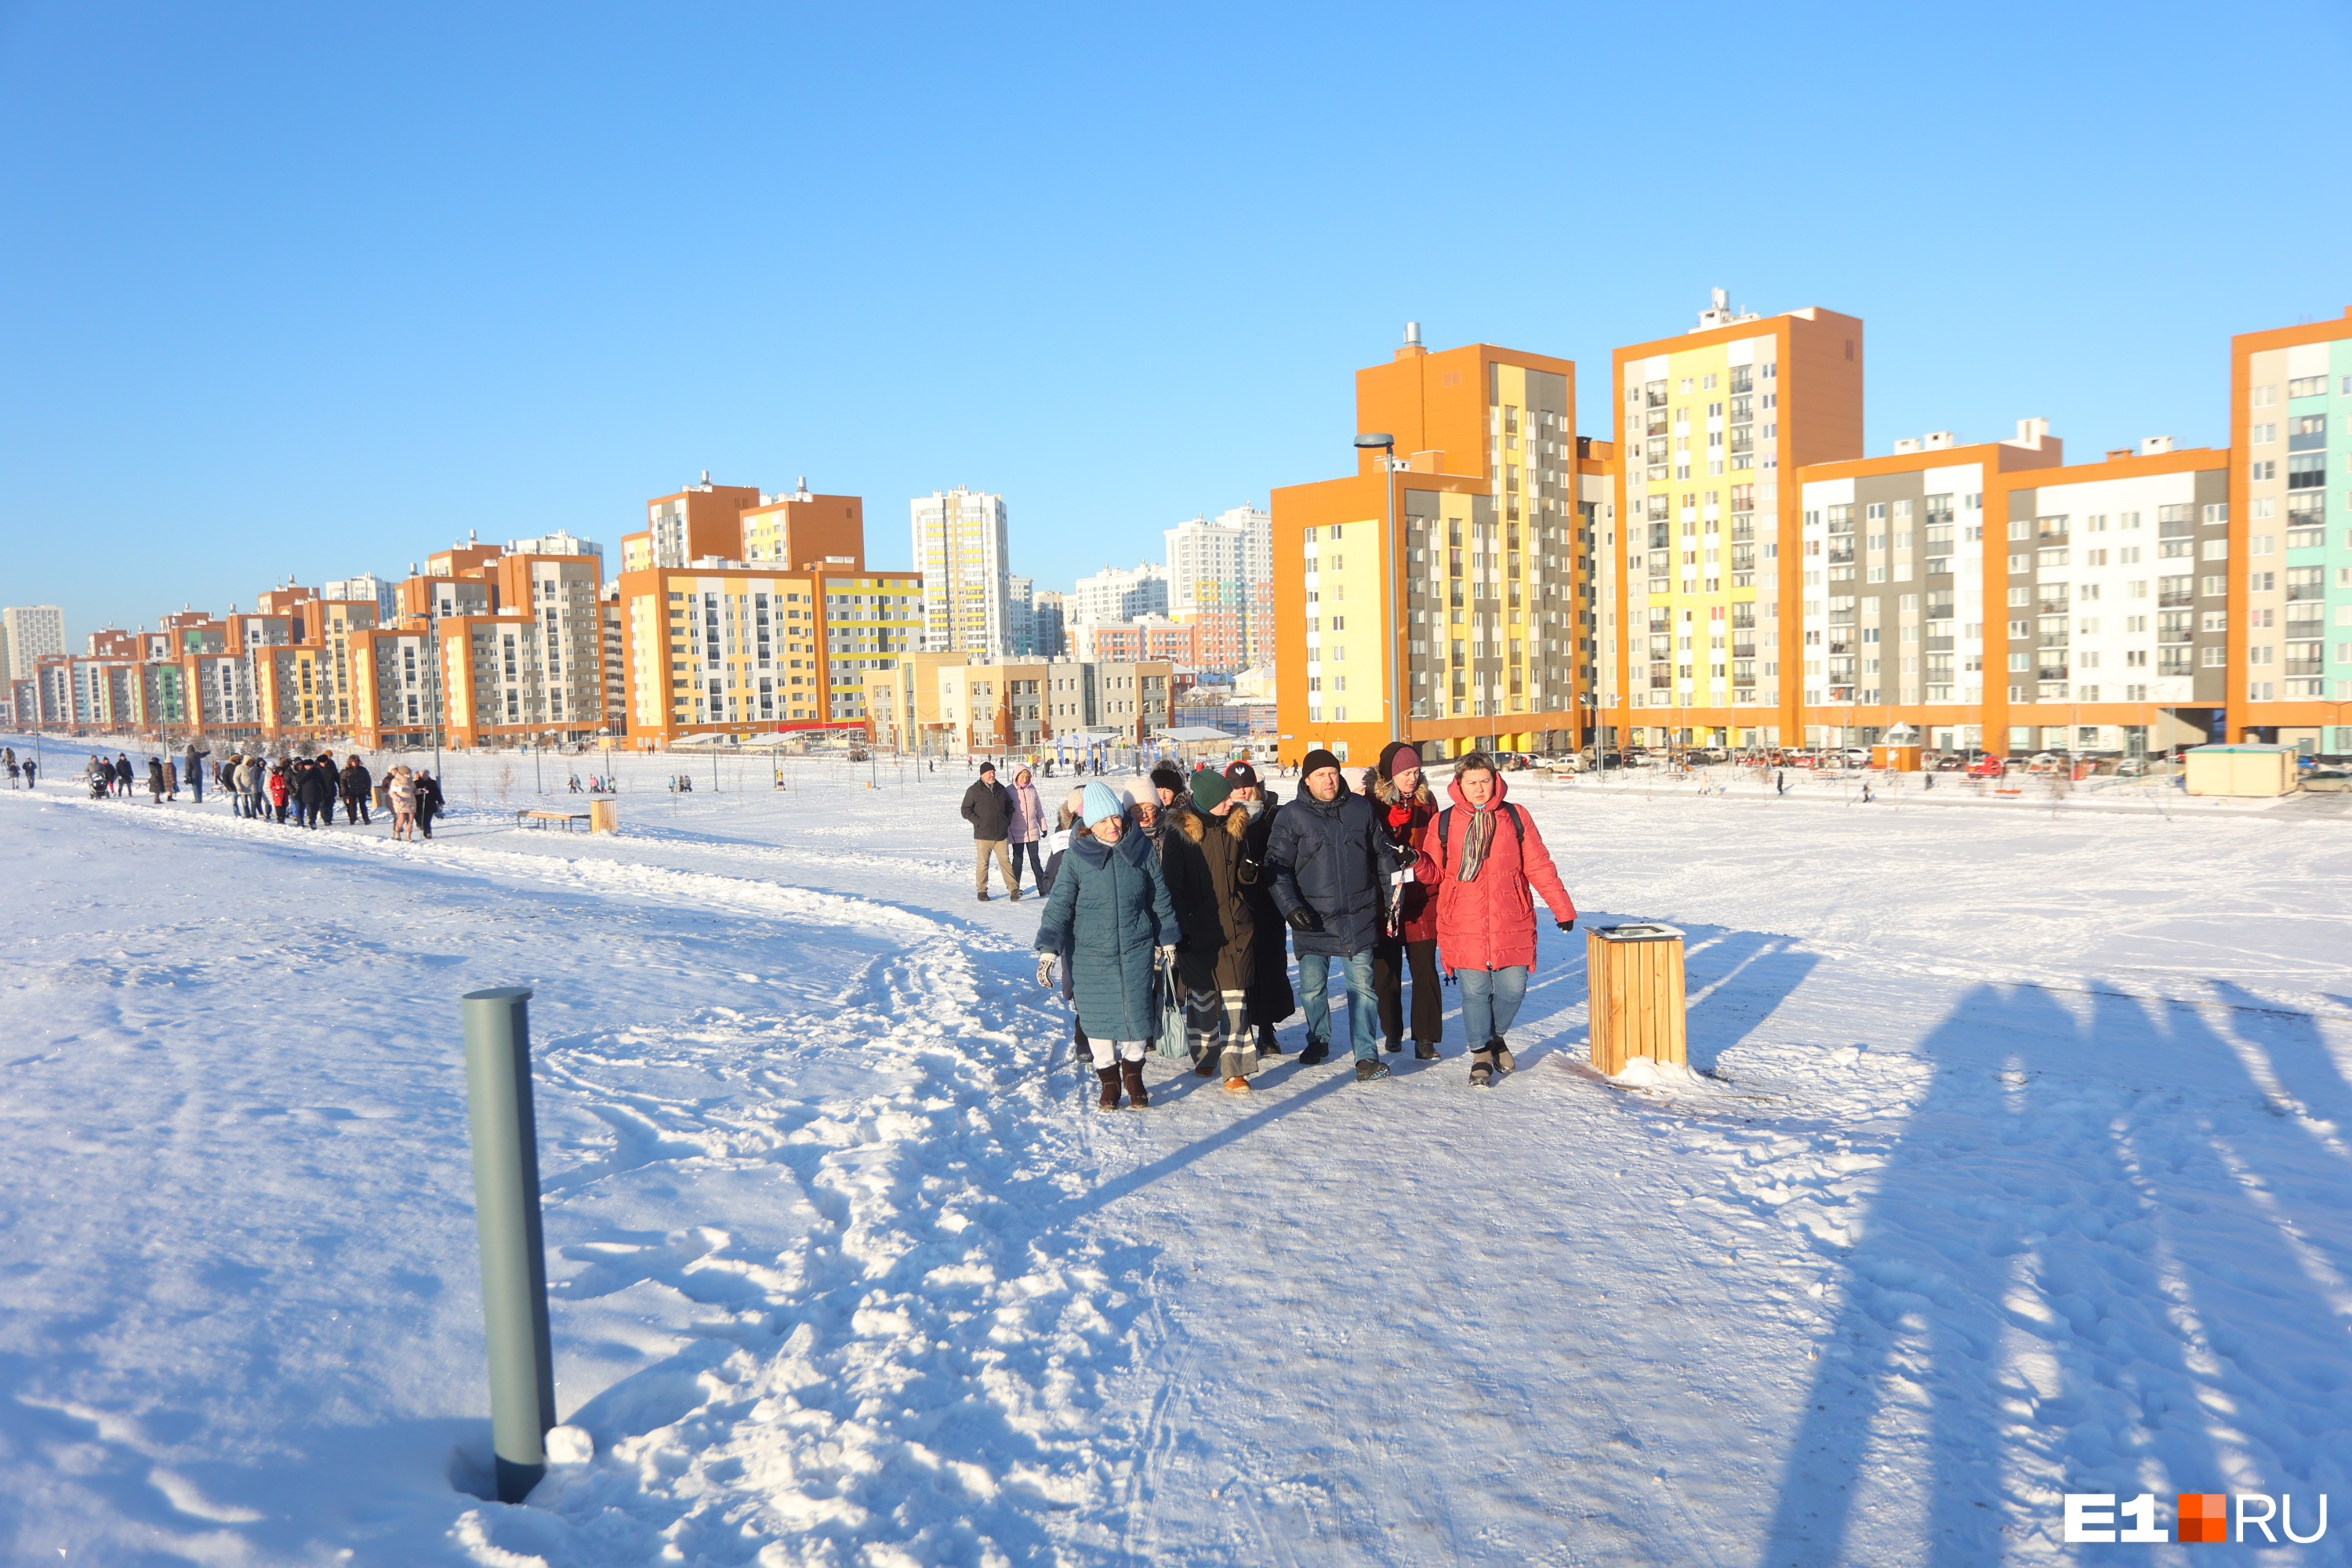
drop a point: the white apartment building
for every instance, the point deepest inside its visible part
(1021, 616)
(960, 549)
(560, 543)
(1048, 613)
(30, 631)
(367, 588)
(1205, 558)
(1114, 594)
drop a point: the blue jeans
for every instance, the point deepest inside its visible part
(1036, 863)
(1363, 1017)
(1490, 1001)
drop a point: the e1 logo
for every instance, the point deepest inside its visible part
(2092, 1517)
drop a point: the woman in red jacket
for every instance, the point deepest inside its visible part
(1488, 861)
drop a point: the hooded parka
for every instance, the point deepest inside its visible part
(1489, 923)
(1270, 997)
(1209, 874)
(1108, 911)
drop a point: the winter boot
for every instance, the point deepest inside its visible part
(1016, 895)
(1393, 1046)
(1504, 1060)
(1267, 1046)
(1109, 1075)
(983, 895)
(1132, 1073)
(1424, 1050)
(1482, 1072)
(1237, 1085)
(1367, 1072)
(1317, 1053)
(1206, 1066)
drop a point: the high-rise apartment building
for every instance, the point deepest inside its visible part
(1048, 621)
(777, 629)
(1118, 593)
(701, 521)
(1219, 573)
(803, 531)
(381, 591)
(1711, 427)
(1436, 595)
(2288, 562)
(961, 551)
(27, 633)
(1021, 616)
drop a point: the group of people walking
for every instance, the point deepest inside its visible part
(22, 774)
(1192, 886)
(303, 791)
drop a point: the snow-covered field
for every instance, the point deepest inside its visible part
(2021, 1164)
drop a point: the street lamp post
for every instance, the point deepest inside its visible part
(1392, 666)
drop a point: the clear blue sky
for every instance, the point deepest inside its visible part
(309, 290)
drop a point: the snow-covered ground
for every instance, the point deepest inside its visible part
(2021, 1163)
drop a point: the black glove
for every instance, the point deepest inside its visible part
(1565, 925)
(1303, 919)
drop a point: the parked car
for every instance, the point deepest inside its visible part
(1951, 762)
(2132, 768)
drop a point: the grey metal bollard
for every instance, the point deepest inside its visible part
(514, 1256)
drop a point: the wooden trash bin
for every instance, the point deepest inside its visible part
(604, 816)
(1634, 979)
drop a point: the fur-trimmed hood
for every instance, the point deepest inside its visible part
(1194, 823)
(1386, 793)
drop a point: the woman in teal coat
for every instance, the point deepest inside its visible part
(1110, 912)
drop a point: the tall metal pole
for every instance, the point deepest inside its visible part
(514, 1253)
(1396, 552)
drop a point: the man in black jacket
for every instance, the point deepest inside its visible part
(988, 807)
(1332, 864)
(357, 783)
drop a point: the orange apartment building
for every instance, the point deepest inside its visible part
(1151, 637)
(2290, 583)
(1442, 595)
(773, 625)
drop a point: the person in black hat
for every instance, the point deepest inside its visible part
(1271, 999)
(988, 807)
(1331, 863)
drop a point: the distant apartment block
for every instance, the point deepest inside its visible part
(961, 553)
(1220, 581)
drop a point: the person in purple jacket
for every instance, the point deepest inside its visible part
(1028, 828)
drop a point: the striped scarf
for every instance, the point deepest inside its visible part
(1476, 839)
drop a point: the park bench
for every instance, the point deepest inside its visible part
(542, 818)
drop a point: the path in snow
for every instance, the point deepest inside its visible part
(1970, 1215)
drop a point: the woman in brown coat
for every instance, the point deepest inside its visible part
(1208, 870)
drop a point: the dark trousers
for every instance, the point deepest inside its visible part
(355, 810)
(1037, 864)
(1391, 955)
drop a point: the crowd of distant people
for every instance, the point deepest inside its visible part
(300, 792)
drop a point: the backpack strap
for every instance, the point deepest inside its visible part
(1445, 824)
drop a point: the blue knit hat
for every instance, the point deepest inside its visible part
(1100, 803)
